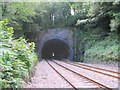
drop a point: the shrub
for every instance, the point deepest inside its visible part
(17, 56)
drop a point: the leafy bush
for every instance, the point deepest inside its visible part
(106, 49)
(16, 58)
(115, 23)
(95, 43)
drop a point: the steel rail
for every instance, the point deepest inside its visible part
(98, 68)
(78, 65)
(62, 75)
(91, 80)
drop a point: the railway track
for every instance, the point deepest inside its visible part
(62, 76)
(77, 73)
(96, 69)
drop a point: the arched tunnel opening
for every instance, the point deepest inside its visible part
(56, 49)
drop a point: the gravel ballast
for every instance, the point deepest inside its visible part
(46, 77)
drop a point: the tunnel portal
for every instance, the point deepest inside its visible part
(55, 49)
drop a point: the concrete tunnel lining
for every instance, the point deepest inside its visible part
(56, 48)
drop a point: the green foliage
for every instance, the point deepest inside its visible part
(115, 23)
(115, 14)
(80, 9)
(18, 13)
(5, 32)
(52, 14)
(95, 44)
(27, 17)
(17, 57)
(106, 49)
(98, 36)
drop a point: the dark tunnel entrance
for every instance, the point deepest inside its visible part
(55, 49)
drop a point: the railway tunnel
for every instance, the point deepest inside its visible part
(56, 48)
(55, 44)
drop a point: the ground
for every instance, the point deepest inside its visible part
(46, 77)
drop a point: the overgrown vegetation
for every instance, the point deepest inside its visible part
(17, 58)
(106, 49)
(99, 32)
(31, 17)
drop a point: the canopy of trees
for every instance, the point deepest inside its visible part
(25, 17)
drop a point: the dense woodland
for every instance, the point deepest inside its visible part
(96, 30)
